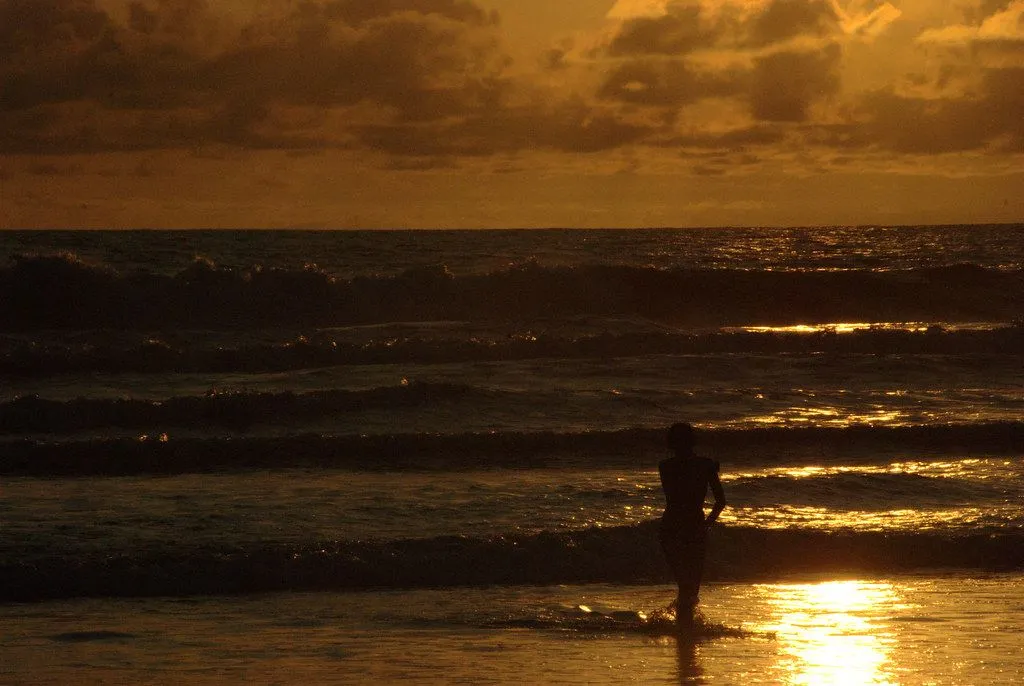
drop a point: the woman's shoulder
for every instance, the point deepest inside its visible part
(688, 464)
(709, 464)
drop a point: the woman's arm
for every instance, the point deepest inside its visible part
(716, 509)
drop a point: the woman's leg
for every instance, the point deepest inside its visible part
(685, 557)
(688, 578)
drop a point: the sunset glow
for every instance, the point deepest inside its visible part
(494, 113)
(829, 632)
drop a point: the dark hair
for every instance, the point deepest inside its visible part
(680, 436)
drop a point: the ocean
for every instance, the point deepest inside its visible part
(431, 457)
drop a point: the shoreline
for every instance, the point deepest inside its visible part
(872, 629)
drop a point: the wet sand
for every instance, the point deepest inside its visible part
(935, 629)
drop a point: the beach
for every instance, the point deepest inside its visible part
(945, 629)
(431, 457)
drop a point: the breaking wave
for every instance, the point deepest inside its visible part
(158, 454)
(32, 414)
(62, 291)
(628, 554)
(38, 357)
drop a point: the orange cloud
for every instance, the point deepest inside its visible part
(782, 56)
(156, 81)
(417, 84)
(1004, 25)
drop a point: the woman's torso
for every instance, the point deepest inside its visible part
(685, 481)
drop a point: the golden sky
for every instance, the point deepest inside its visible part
(510, 113)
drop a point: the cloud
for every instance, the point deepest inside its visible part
(969, 97)
(866, 23)
(989, 119)
(565, 126)
(416, 85)
(788, 62)
(359, 12)
(164, 76)
(1006, 24)
(786, 84)
(779, 56)
(632, 9)
(680, 27)
(675, 32)
(660, 82)
(412, 78)
(783, 20)
(420, 65)
(51, 169)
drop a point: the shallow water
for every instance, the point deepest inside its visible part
(957, 496)
(933, 629)
(188, 415)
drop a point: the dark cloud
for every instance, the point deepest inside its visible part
(763, 134)
(404, 164)
(973, 99)
(414, 78)
(688, 27)
(920, 125)
(1004, 104)
(679, 32)
(650, 64)
(976, 13)
(72, 52)
(358, 12)
(415, 59)
(984, 120)
(42, 43)
(658, 82)
(51, 169)
(783, 20)
(794, 59)
(30, 27)
(575, 126)
(913, 125)
(422, 66)
(784, 85)
(178, 21)
(427, 81)
(566, 126)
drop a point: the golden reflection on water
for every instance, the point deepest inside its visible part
(832, 327)
(827, 416)
(905, 519)
(926, 515)
(973, 468)
(854, 327)
(833, 632)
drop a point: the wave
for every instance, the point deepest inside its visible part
(238, 411)
(627, 554)
(870, 489)
(158, 454)
(190, 353)
(658, 622)
(62, 292)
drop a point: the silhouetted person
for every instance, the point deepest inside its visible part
(685, 478)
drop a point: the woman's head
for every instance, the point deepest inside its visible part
(680, 437)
